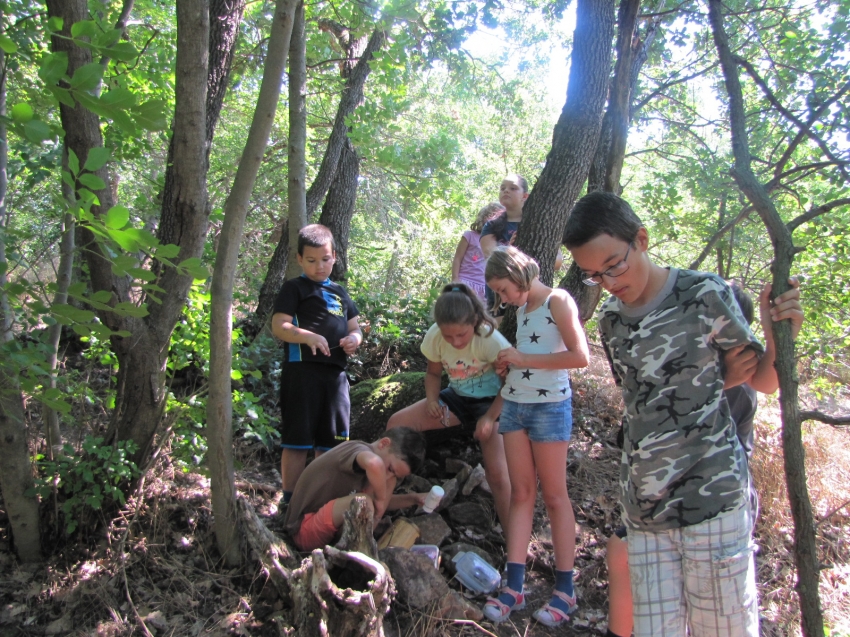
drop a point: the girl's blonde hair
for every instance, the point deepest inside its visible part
(506, 262)
(485, 214)
(459, 305)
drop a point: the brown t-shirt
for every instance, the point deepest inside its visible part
(334, 474)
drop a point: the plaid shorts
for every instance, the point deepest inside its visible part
(698, 580)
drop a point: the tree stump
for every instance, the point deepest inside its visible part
(358, 528)
(340, 594)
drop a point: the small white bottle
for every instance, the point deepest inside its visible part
(432, 500)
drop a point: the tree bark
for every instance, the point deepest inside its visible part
(805, 546)
(574, 143)
(15, 469)
(352, 96)
(338, 208)
(297, 160)
(219, 403)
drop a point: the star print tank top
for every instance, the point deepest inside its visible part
(537, 333)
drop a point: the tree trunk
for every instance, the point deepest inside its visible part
(574, 143)
(338, 208)
(15, 469)
(219, 403)
(352, 96)
(297, 160)
(805, 546)
(141, 377)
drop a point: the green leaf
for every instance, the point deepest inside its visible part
(37, 131)
(73, 163)
(92, 181)
(143, 237)
(63, 96)
(123, 122)
(73, 313)
(101, 296)
(7, 45)
(92, 103)
(119, 98)
(235, 374)
(151, 115)
(123, 239)
(122, 263)
(128, 309)
(84, 28)
(97, 158)
(141, 273)
(87, 77)
(116, 217)
(123, 52)
(168, 251)
(22, 113)
(55, 24)
(53, 67)
(68, 179)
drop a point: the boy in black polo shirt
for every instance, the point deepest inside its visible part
(318, 321)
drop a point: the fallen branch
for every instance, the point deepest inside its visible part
(828, 419)
(277, 558)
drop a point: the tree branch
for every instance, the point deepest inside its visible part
(828, 419)
(817, 211)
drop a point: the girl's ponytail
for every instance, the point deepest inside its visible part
(459, 305)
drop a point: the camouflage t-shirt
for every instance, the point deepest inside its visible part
(682, 462)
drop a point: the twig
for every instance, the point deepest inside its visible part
(474, 624)
(829, 419)
(833, 512)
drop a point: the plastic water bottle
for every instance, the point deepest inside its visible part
(475, 573)
(432, 500)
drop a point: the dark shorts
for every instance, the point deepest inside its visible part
(467, 410)
(314, 406)
(621, 532)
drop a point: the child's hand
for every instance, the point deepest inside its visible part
(484, 428)
(318, 342)
(784, 306)
(507, 357)
(438, 411)
(740, 363)
(349, 344)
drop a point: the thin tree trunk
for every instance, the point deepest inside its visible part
(805, 546)
(297, 160)
(63, 282)
(338, 208)
(15, 468)
(219, 403)
(352, 96)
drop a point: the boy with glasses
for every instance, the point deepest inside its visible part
(684, 480)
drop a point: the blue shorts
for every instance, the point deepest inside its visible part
(544, 422)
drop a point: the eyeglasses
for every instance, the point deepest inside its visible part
(613, 272)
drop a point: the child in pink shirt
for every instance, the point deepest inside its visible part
(469, 260)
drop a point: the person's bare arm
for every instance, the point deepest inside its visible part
(404, 500)
(462, 245)
(433, 378)
(381, 484)
(488, 244)
(784, 307)
(285, 330)
(351, 342)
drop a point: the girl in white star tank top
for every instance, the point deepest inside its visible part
(536, 422)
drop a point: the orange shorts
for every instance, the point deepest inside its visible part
(317, 529)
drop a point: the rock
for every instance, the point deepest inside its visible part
(475, 478)
(454, 606)
(451, 487)
(65, 625)
(429, 468)
(471, 514)
(463, 475)
(417, 484)
(455, 465)
(451, 550)
(432, 529)
(417, 581)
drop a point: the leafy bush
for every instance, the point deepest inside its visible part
(87, 481)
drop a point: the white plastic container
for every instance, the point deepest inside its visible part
(432, 500)
(475, 573)
(431, 551)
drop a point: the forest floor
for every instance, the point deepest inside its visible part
(153, 569)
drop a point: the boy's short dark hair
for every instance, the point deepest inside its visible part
(408, 444)
(601, 213)
(315, 235)
(745, 302)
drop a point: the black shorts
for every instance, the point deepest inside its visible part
(621, 532)
(315, 406)
(468, 410)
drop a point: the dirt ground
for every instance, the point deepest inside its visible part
(152, 569)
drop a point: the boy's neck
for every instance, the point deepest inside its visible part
(513, 215)
(655, 283)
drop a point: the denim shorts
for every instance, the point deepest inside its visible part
(544, 422)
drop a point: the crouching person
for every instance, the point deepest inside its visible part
(326, 488)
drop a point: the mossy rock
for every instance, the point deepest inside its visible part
(374, 401)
